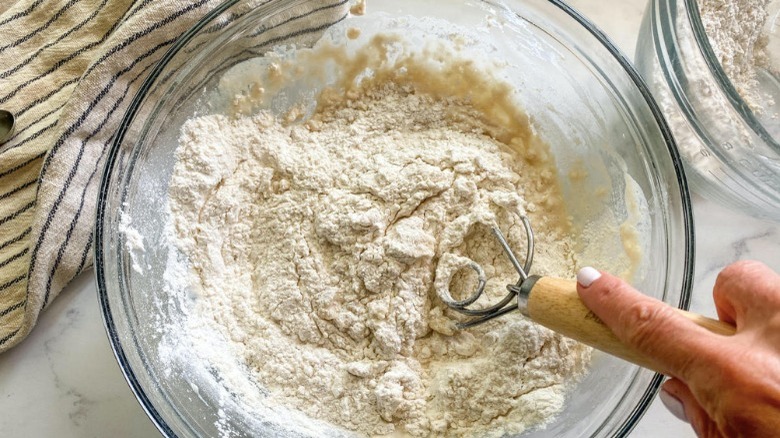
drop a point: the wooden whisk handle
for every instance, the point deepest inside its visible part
(554, 303)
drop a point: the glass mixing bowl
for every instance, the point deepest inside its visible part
(616, 159)
(732, 153)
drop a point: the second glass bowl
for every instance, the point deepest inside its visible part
(732, 153)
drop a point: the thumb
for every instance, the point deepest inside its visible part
(676, 396)
(654, 329)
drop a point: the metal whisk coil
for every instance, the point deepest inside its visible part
(508, 303)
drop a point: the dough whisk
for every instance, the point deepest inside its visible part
(553, 303)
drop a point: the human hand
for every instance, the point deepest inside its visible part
(724, 386)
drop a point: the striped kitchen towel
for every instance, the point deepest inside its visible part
(68, 71)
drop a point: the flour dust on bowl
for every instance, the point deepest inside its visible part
(296, 179)
(714, 68)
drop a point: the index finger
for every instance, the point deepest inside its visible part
(654, 329)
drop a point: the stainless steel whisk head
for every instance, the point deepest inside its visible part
(508, 303)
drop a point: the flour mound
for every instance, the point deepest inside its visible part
(735, 30)
(314, 247)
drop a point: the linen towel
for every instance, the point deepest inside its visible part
(68, 71)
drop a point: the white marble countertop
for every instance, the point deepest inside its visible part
(63, 380)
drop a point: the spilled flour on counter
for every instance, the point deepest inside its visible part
(313, 248)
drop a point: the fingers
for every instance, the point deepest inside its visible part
(674, 404)
(747, 287)
(726, 310)
(654, 329)
(679, 399)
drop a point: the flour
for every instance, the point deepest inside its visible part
(314, 249)
(735, 29)
(134, 242)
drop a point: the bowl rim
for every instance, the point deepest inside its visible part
(99, 231)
